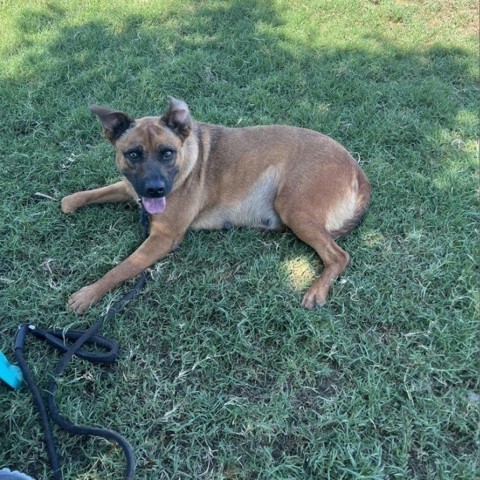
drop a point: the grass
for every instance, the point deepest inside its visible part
(222, 374)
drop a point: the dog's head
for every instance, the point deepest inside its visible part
(149, 150)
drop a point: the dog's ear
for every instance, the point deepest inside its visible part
(178, 118)
(114, 123)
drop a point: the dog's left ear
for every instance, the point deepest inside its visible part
(178, 118)
(114, 123)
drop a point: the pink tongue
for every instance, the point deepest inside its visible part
(154, 205)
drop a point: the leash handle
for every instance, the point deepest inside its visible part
(58, 339)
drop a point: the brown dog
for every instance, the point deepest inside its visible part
(195, 175)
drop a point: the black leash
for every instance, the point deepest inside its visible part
(58, 339)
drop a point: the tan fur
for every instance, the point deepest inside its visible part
(269, 177)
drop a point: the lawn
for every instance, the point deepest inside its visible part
(222, 374)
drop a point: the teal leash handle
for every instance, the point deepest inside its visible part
(10, 374)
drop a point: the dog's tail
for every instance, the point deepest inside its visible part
(363, 200)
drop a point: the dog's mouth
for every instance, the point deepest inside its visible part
(154, 205)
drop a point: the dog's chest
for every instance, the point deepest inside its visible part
(253, 207)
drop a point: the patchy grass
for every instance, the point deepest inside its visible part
(227, 377)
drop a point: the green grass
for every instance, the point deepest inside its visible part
(222, 374)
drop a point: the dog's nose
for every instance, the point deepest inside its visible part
(155, 188)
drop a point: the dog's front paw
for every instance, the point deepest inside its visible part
(84, 298)
(69, 204)
(313, 298)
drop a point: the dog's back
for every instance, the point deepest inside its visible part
(247, 168)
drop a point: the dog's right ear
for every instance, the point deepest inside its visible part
(114, 123)
(178, 118)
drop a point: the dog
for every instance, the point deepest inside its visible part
(194, 175)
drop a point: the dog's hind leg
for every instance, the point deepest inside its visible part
(310, 226)
(318, 205)
(118, 192)
(334, 258)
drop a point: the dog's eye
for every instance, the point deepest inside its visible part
(133, 155)
(168, 155)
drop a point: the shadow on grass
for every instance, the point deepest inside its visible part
(235, 64)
